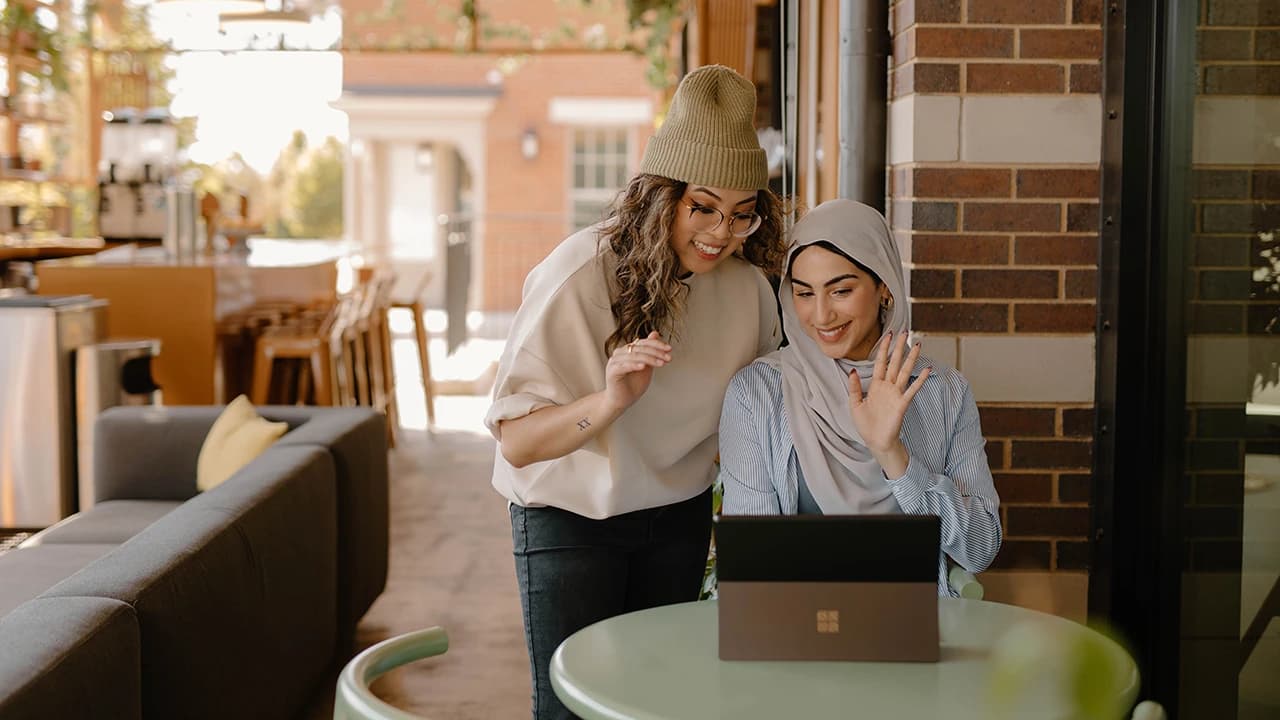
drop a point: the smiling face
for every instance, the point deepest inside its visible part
(702, 250)
(837, 302)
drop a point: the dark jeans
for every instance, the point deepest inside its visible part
(574, 571)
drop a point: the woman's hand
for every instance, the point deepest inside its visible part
(630, 368)
(878, 416)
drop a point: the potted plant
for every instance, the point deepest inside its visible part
(25, 33)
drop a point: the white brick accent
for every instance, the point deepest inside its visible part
(1031, 129)
(941, 349)
(924, 128)
(1028, 368)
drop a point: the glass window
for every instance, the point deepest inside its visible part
(1230, 574)
(600, 170)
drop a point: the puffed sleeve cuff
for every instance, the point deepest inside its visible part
(913, 484)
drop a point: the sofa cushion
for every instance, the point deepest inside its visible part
(234, 591)
(238, 436)
(27, 572)
(70, 658)
(111, 522)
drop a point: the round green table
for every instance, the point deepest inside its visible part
(662, 664)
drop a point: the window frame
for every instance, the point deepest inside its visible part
(601, 195)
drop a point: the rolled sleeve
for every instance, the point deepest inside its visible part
(512, 407)
(528, 383)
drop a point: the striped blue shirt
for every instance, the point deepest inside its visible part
(947, 475)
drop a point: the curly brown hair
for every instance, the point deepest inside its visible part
(646, 290)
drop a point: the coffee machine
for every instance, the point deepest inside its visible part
(139, 159)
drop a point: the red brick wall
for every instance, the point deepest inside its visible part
(527, 201)
(1007, 248)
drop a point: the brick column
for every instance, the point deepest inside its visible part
(995, 137)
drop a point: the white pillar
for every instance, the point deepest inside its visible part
(351, 191)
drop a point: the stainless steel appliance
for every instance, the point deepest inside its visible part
(38, 337)
(109, 374)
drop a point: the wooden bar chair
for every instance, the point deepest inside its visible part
(313, 346)
(373, 349)
(342, 343)
(388, 366)
(413, 303)
(381, 367)
(357, 338)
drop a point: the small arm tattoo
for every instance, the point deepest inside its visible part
(583, 424)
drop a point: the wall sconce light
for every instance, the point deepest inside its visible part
(529, 144)
(425, 158)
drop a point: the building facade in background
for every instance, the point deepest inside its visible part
(520, 138)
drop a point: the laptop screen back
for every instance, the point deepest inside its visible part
(828, 587)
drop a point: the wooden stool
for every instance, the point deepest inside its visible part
(318, 347)
(413, 303)
(375, 379)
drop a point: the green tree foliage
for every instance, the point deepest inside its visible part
(315, 198)
(301, 197)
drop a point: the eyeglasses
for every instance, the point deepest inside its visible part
(705, 219)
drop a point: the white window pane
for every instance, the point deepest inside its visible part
(600, 161)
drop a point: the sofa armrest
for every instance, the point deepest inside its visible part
(149, 453)
(357, 440)
(71, 658)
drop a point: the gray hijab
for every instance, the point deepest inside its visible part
(838, 468)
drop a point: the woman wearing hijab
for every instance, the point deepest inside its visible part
(844, 419)
(609, 391)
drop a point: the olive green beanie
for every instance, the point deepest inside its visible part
(708, 137)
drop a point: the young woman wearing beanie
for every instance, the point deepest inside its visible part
(846, 420)
(608, 394)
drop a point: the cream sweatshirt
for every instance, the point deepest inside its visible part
(662, 449)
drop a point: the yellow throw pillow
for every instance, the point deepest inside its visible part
(238, 436)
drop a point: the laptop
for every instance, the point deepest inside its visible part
(828, 587)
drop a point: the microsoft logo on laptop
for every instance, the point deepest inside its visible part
(828, 622)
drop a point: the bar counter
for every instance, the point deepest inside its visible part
(182, 301)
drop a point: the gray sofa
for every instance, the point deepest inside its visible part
(161, 602)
